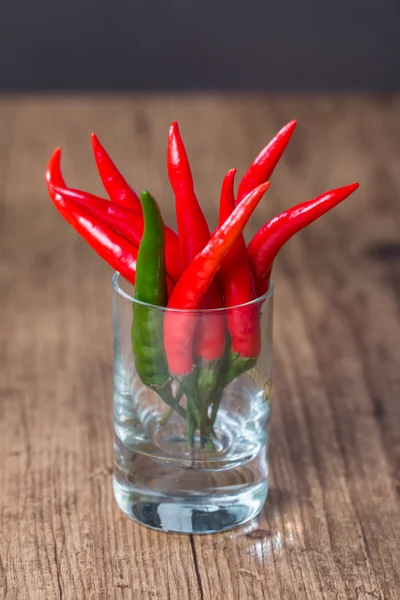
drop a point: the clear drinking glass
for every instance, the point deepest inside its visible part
(201, 473)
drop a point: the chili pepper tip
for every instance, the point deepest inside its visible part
(96, 145)
(53, 172)
(287, 131)
(174, 131)
(55, 154)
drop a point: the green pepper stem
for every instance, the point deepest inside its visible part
(166, 395)
(168, 415)
(191, 425)
(193, 407)
(217, 397)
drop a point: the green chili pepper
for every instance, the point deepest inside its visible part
(151, 288)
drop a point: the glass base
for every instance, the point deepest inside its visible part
(198, 514)
(164, 483)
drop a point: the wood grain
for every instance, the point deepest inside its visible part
(331, 526)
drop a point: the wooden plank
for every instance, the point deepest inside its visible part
(331, 525)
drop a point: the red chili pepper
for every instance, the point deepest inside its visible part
(115, 185)
(53, 171)
(209, 341)
(109, 244)
(193, 231)
(237, 275)
(264, 164)
(266, 244)
(192, 287)
(194, 234)
(238, 281)
(125, 221)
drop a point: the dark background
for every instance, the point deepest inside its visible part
(219, 44)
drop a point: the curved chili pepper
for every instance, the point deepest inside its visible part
(264, 164)
(110, 245)
(114, 183)
(150, 361)
(192, 287)
(266, 244)
(237, 275)
(194, 234)
(193, 231)
(126, 222)
(238, 280)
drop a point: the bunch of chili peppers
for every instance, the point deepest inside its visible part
(190, 270)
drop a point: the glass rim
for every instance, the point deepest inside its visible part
(121, 292)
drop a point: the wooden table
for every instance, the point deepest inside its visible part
(331, 526)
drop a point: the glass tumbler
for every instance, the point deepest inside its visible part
(190, 451)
